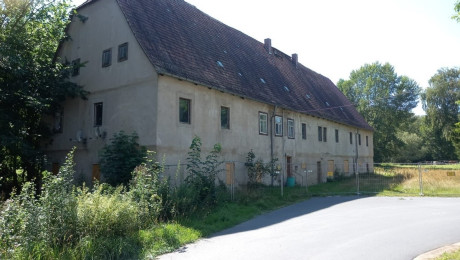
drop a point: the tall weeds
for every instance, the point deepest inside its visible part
(105, 222)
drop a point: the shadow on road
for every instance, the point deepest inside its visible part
(286, 213)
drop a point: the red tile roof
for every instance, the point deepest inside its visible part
(184, 42)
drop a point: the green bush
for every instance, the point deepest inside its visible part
(200, 184)
(151, 192)
(257, 169)
(31, 225)
(106, 222)
(120, 157)
(106, 213)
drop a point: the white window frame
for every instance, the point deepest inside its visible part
(263, 123)
(291, 128)
(278, 125)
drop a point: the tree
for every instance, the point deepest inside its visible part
(120, 157)
(385, 100)
(439, 103)
(32, 84)
(457, 10)
(413, 148)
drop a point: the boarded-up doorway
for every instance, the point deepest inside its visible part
(289, 166)
(318, 168)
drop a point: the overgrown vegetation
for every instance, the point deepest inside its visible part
(395, 180)
(257, 169)
(32, 85)
(109, 222)
(200, 188)
(120, 157)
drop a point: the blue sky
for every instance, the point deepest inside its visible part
(335, 37)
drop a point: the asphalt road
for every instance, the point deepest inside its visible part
(337, 228)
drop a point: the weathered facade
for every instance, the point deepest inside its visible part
(168, 72)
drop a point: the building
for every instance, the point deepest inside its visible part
(168, 71)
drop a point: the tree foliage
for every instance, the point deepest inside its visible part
(385, 100)
(201, 179)
(456, 16)
(32, 85)
(120, 157)
(442, 111)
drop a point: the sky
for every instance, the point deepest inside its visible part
(335, 37)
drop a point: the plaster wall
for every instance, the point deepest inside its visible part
(127, 89)
(174, 138)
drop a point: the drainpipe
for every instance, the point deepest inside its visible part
(356, 163)
(284, 158)
(356, 145)
(271, 141)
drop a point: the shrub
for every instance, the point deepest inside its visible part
(257, 169)
(120, 157)
(30, 225)
(106, 213)
(200, 189)
(151, 192)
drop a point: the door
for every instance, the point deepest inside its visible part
(289, 166)
(318, 169)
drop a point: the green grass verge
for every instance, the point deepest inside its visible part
(246, 206)
(450, 256)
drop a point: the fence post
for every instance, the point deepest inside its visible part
(420, 179)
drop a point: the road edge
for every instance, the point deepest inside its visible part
(438, 252)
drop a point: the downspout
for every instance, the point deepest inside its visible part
(356, 145)
(356, 163)
(271, 143)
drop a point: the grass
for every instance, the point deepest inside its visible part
(425, 166)
(248, 205)
(450, 256)
(395, 181)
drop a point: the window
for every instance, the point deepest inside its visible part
(75, 67)
(290, 127)
(263, 123)
(225, 117)
(278, 125)
(123, 52)
(351, 138)
(367, 140)
(184, 111)
(320, 133)
(98, 114)
(336, 135)
(359, 139)
(107, 58)
(304, 131)
(324, 134)
(58, 116)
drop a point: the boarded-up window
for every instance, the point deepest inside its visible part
(330, 168)
(229, 169)
(346, 167)
(96, 172)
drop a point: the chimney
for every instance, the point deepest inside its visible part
(295, 59)
(268, 45)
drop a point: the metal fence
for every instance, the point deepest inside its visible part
(329, 178)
